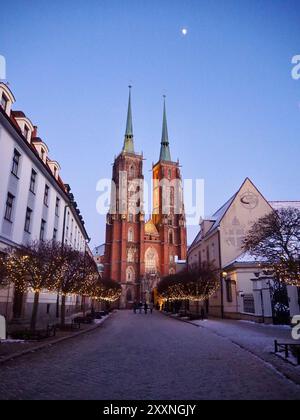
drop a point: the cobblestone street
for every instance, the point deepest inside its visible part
(144, 357)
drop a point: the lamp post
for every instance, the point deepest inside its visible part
(223, 277)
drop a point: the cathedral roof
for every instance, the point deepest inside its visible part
(165, 153)
(150, 228)
(128, 142)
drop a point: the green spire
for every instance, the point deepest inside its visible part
(165, 154)
(128, 142)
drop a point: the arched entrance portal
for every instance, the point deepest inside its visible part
(151, 278)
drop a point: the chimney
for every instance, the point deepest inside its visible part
(35, 131)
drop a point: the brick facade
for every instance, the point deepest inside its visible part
(139, 253)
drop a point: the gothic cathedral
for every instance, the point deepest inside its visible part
(138, 252)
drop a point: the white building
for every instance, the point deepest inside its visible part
(245, 292)
(35, 204)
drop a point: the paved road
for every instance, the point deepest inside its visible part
(144, 357)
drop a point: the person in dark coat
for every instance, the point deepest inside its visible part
(146, 308)
(135, 306)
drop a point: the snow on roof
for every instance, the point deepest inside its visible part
(246, 258)
(277, 205)
(99, 250)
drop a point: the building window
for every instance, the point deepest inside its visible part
(151, 261)
(54, 234)
(130, 274)
(171, 237)
(199, 259)
(207, 254)
(28, 220)
(46, 195)
(132, 171)
(57, 205)
(4, 102)
(43, 155)
(33, 181)
(130, 235)
(26, 132)
(229, 291)
(9, 207)
(43, 230)
(172, 196)
(16, 161)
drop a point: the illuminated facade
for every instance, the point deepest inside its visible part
(139, 253)
(35, 204)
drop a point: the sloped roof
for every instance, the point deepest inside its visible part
(219, 214)
(99, 250)
(246, 258)
(277, 205)
(150, 228)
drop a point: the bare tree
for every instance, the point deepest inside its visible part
(275, 239)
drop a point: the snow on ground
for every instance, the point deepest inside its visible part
(257, 339)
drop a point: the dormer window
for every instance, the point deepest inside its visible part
(26, 132)
(43, 155)
(6, 98)
(4, 102)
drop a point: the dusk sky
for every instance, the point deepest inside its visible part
(233, 107)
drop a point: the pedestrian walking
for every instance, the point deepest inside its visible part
(151, 306)
(158, 306)
(135, 306)
(146, 308)
(140, 307)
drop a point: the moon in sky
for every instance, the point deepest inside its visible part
(184, 31)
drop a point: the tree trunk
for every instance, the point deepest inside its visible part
(63, 310)
(83, 305)
(35, 311)
(57, 306)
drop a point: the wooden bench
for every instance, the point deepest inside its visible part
(286, 348)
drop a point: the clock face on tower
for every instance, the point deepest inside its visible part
(249, 200)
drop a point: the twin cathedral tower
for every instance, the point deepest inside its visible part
(138, 252)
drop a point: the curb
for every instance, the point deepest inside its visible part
(52, 343)
(182, 320)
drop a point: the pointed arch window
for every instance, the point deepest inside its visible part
(130, 275)
(132, 171)
(171, 237)
(130, 235)
(151, 261)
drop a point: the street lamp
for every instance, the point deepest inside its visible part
(223, 277)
